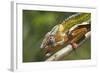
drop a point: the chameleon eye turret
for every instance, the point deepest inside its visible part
(51, 40)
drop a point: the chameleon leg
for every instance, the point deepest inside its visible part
(77, 36)
(75, 43)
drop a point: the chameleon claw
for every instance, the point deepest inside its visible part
(74, 45)
(48, 54)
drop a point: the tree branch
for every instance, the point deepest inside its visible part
(66, 50)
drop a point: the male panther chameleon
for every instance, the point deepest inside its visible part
(71, 31)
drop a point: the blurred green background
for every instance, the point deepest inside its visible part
(35, 25)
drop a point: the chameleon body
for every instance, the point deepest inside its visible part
(67, 33)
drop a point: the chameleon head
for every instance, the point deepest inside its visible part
(48, 44)
(49, 40)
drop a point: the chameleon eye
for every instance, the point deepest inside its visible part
(50, 37)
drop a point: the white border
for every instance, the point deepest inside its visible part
(17, 38)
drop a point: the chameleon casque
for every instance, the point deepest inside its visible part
(71, 31)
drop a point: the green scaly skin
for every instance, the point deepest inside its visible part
(75, 19)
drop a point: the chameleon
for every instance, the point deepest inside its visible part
(71, 31)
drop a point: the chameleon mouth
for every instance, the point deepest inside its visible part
(42, 46)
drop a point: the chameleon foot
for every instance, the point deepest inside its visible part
(74, 45)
